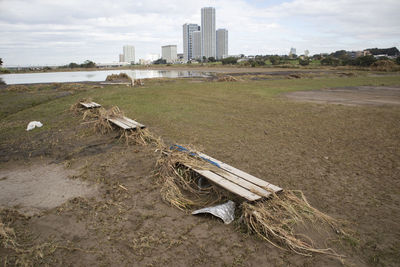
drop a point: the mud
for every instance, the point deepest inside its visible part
(38, 186)
(362, 95)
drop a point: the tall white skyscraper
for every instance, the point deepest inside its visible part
(188, 30)
(129, 53)
(222, 43)
(196, 52)
(208, 35)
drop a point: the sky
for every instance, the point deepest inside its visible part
(56, 32)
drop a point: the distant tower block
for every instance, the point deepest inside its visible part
(208, 34)
(169, 53)
(222, 43)
(188, 30)
(196, 53)
(129, 54)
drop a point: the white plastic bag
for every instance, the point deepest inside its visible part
(33, 124)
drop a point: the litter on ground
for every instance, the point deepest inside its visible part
(225, 211)
(33, 124)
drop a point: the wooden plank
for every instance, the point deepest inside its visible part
(90, 104)
(242, 174)
(135, 122)
(120, 124)
(131, 124)
(243, 183)
(228, 185)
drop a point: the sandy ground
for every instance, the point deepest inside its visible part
(362, 95)
(39, 186)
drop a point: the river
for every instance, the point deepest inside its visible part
(93, 76)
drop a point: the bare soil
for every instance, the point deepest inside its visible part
(361, 95)
(122, 219)
(36, 186)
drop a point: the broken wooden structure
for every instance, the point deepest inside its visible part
(232, 179)
(125, 123)
(89, 105)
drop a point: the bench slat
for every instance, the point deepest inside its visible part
(228, 185)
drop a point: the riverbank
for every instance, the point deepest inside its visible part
(344, 158)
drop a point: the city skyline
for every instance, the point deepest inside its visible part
(37, 32)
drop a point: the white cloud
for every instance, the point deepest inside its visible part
(56, 32)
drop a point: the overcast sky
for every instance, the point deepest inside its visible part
(37, 32)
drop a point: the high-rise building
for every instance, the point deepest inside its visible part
(292, 52)
(196, 52)
(121, 58)
(208, 35)
(129, 53)
(222, 43)
(169, 53)
(188, 30)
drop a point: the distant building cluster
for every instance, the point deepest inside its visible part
(204, 41)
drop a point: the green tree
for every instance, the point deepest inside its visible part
(398, 60)
(275, 60)
(229, 60)
(88, 64)
(212, 59)
(160, 61)
(304, 62)
(331, 61)
(73, 65)
(365, 61)
(1, 61)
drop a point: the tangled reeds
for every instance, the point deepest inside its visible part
(77, 108)
(180, 185)
(122, 77)
(227, 78)
(279, 219)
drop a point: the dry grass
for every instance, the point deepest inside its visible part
(119, 78)
(227, 78)
(179, 183)
(277, 218)
(274, 219)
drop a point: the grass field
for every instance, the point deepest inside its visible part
(346, 159)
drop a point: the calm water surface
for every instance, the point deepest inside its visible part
(93, 76)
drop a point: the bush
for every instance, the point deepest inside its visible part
(275, 60)
(365, 61)
(160, 61)
(330, 61)
(304, 62)
(229, 60)
(384, 65)
(398, 60)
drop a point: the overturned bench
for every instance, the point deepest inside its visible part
(89, 105)
(125, 123)
(232, 179)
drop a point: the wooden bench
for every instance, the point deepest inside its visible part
(89, 105)
(231, 178)
(125, 123)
